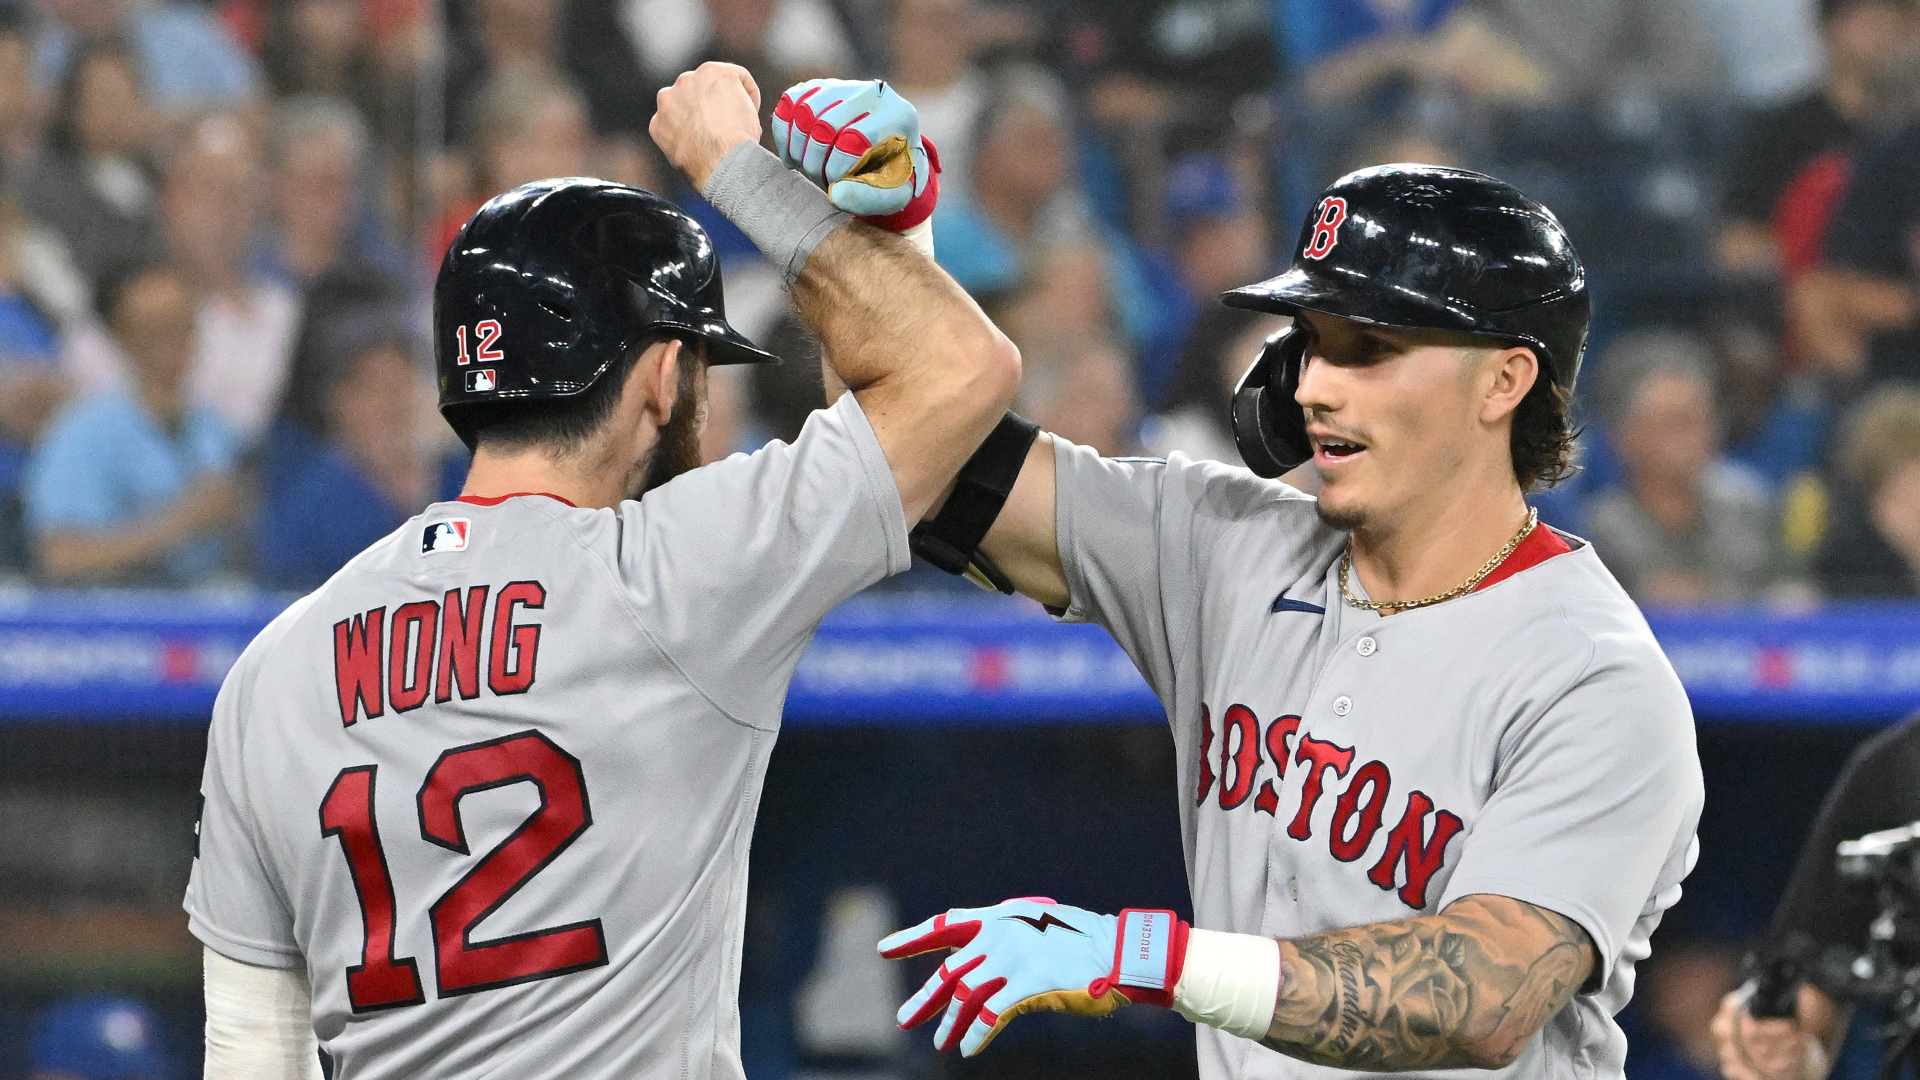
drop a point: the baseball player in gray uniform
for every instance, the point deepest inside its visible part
(480, 806)
(1439, 782)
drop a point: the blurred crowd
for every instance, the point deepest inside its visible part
(219, 223)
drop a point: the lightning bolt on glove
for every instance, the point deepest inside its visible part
(861, 141)
(1033, 954)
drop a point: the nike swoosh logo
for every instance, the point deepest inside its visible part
(1045, 921)
(1282, 603)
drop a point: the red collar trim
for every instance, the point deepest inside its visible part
(1540, 545)
(496, 500)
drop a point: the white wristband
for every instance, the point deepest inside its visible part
(1229, 981)
(921, 236)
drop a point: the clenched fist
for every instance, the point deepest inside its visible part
(705, 114)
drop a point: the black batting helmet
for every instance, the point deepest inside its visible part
(1420, 247)
(551, 283)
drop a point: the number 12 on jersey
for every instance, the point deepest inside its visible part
(462, 965)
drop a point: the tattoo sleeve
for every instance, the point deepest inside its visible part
(1462, 989)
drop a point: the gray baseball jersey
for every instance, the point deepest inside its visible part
(492, 786)
(1339, 768)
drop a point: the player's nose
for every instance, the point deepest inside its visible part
(1319, 389)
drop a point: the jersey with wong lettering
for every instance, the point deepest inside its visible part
(1339, 768)
(493, 785)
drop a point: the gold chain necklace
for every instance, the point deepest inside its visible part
(1346, 568)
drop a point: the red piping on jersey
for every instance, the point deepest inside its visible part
(1540, 545)
(496, 500)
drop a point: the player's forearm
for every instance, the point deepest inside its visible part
(884, 311)
(1463, 989)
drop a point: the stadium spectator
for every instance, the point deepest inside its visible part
(188, 61)
(136, 485)
(1136, 56)
(1080, 388)
(1219, 233)
(1774, 418)
(31, 385)
(210, 207)
(780, 41)
(1854, 317)
(359, 454)
(1351, 50)
(1027, 233)
(1023, 201)
(1197, 419)
(1873, 548)
(1790, 162)
(98, 1038)
(317, 148)
(1602, 50)
(1771, 47)
(934, 45)
(1684, 525)
(21, 112)
(1217, 240)
(94, 184)
(343, 49)
(527, 126)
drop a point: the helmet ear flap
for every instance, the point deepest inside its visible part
(1268, 426)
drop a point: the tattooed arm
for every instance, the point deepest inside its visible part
(1462, 989)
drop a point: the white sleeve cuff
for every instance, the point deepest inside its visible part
(1229, 981)
(259, 1022)
(921, 236)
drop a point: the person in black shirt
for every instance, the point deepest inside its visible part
(1867, 42)
(1876, 790)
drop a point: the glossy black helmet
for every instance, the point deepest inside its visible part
(551, 283)
(1415, 246)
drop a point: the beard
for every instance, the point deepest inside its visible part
(1346, 520)
(678, 449)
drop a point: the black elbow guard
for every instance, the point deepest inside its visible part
(951, 540)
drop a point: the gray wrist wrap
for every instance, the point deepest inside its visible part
(780, 211)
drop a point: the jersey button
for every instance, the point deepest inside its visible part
(1342, 705)
(1366, 646)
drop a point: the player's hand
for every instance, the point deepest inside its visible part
(705, 114)
(1033, 954)
(1753, 1049)
(861, 141)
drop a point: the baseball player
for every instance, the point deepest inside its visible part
(1439, 782)
(481, 804)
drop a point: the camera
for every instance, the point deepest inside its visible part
(1884, 968)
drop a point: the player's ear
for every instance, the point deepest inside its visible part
(660, 373)
(1513, 372)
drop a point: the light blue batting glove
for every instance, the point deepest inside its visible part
(861, 141)
(1033, 954)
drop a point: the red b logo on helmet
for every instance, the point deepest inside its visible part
(1333, 211)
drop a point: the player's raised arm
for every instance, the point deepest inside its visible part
(931, 372)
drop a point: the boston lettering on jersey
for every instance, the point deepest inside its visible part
(1358, 810)
(434, 646)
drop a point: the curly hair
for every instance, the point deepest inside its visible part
(1543, 436)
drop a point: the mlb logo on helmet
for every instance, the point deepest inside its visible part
(448, 535)
(479, 380)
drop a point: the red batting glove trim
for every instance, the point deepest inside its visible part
(973, 1002)
(1176, 963)
(945, 935)
(915, 212)
(950, 987)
